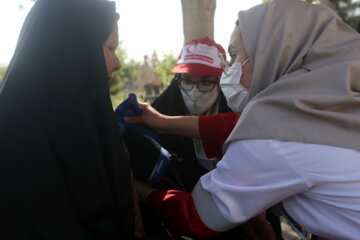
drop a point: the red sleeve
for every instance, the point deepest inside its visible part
(214, 130)
(177, 210)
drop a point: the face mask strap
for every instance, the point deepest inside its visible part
(245, 62)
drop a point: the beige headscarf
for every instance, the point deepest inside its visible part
(306, 80)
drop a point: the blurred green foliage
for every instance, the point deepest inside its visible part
(126, 76)
(2, 72)
(124, 80)
(164, 69)
(349, 11)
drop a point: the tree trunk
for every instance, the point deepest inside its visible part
(198, 18)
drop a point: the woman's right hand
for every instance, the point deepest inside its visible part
(150, 118)
(179, 125)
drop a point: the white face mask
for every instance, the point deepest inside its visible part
(237, 96)
(199, 102)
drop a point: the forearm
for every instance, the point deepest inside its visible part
(187, 126)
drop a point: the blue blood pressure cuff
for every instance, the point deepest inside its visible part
(149, 160)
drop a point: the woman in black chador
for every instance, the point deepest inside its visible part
(64, 173)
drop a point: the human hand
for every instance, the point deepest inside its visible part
(178, 125)
(150, 118)
(258, 228)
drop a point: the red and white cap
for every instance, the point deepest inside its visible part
(200, 56)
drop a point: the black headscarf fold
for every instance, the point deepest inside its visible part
(64, 173)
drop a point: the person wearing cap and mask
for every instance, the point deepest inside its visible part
(296, 142)
(64, 173)
(194, 91)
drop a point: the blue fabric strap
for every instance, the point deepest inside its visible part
(131, 108)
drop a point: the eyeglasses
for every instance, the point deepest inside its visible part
(202, 86)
